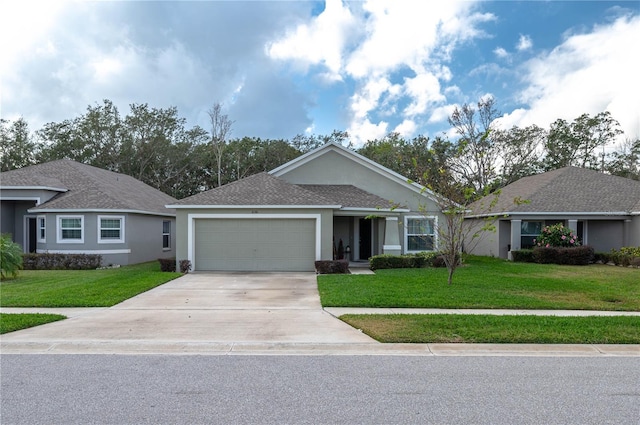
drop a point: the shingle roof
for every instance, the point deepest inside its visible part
(569, 189)
(88, 188)
(349, 196)
(258, 189)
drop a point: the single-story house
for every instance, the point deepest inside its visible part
(287, 218)
(64, 206)
(603, 210)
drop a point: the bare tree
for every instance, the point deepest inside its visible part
(476, 155)
(220, 130)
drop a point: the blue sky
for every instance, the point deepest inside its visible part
(282, 68)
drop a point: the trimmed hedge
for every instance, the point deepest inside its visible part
(523, 256)
(332, 266)
(575, 256)
(602, 257)
(46, 261)
(167, 264)
(406, 261)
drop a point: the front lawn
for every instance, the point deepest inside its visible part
(453, 328)
(81, 288)
(15, 322)
(485, 282)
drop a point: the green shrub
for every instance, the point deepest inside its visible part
(47, 261)
(556, 235)
(602, 257)
(185, 266)
(332, 266)
(406, 261)
(167, 264)
(576, 256)
(10, 257)
(523, 256)
(626, 256)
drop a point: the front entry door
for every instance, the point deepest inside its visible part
(31, 234)
(365, 239)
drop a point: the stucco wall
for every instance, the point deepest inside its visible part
(142, 238)
(605, 235)
(634, 228)
(336, 168)
(145, 238)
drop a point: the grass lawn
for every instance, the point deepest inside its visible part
(445, 328)
(81, 288)
(485, 282)
(15, 322)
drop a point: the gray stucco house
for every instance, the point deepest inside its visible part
(286, 219)
(603, 210)
(67, 207)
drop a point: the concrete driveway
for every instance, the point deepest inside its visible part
(199, 312)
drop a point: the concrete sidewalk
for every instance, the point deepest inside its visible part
(251, 314)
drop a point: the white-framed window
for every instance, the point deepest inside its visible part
(110, 229)
(420, 234)
(166, 234)
(42, 228)
(70, 229)
(529, 230)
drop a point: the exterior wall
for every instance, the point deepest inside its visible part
(142, 238)
(342, 229)
(13, 219)
(634, 231)
(335, 168)
(605, 235)
(488, 243)
(182, 225)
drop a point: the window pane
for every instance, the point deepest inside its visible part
(166, 227)
(165, 241)
(420, 243)
(110, 223)
(73, 223)
(110, 234)
(71, 234)
(531, 227)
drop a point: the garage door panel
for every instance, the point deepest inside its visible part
(255, 244)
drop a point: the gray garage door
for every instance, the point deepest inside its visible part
(255, 244)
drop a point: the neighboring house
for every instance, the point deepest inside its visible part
(286, 219)
(67, 207)
(603, 210)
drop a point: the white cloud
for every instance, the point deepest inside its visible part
(423, 89)
(361, 131)
(406, 128)
(320, 42)
(524, 43)
(587, 73)
(500, 52)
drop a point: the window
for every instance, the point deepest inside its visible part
(42, 229)
(420, 234)
(529, 230)
(71, 229)
(110, 229)
(166, 234)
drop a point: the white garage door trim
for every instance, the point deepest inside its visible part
(191, 218)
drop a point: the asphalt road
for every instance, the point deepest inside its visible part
(115, 389)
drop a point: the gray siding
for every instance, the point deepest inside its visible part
(634, 229)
